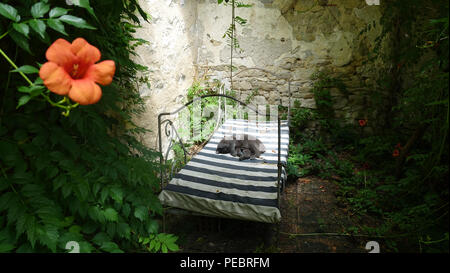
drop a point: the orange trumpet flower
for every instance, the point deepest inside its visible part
(72, 70)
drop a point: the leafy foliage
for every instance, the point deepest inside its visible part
(84, 177)
(206, 107)
(230, 33)
(397, 172)
(160, 242)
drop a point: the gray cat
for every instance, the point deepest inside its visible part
(241, 146)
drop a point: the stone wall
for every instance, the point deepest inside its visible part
(170, 57)
(292, 38)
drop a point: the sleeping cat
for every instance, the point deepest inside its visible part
(241, 146)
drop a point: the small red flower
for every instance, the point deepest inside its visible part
(395, 153)
(399, 146)
(362, 122)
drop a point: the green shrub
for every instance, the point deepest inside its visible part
(85, 177)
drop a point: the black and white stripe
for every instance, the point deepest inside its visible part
(221, 185)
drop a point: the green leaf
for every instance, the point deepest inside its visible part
(124, 230)
(172, 246)
(164, 248)
(38, 26)
(15, 212)
(104, 194)
(37, 90)
(116, 194)
(22, 223)
(22, 28)
(39, 9)
(157, 245)
(9, 12)
(83, 190)
(59, 181)
(242, 5)
(31, 231)
(38, 81)
(75, 229)
(86, 247)
(152, 245)
(100, 238)
(111, 215)
(48, 236)
(152, 226)
(126, 209)
(66, 189)
(56, 12)
(68, 220)
(111, 247)
(440, 20)
(21, 40)
(56, 25)
(33, 91)
(23, 100)
(141, 213)
(96, 214)
(75, 21)
(85, 4)
(24, 89)
(241, 21)
(32, 190)
(27, 69)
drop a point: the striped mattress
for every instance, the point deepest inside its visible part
(220, 185)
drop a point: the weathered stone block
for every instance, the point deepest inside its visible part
(243, 85)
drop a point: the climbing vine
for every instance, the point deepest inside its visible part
(82, 176)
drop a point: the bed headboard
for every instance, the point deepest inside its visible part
(166, 124)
